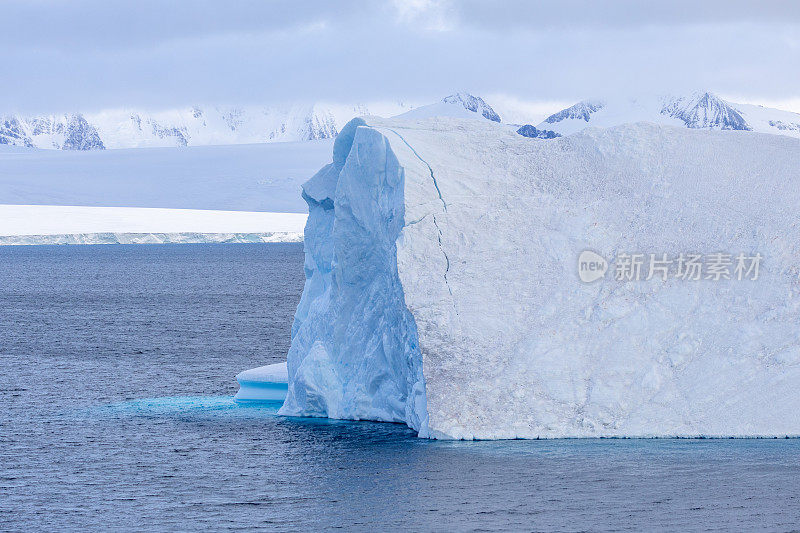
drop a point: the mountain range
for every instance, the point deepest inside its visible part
(222, 125)
(702, 110)
(214, 125)
(192, 126)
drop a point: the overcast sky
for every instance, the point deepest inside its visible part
(94, 54)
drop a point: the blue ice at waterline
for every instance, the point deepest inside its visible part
(205, 406)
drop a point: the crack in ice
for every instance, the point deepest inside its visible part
(444, 205)
(435, 183)
(446, 258)
(418, 220)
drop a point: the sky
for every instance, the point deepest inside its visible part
(88, 55)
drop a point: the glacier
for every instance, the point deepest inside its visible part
(442, 288)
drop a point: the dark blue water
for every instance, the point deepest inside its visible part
(117, 378)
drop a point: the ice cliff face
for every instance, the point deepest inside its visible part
(442, 287)
(354, 347)
(701, 110)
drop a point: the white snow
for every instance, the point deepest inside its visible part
(48, 224)
(442, 287)
(440, 109)
(769, 120)
(262, 384)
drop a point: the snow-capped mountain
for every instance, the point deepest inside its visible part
(474, 104)
(68, 132)
(458, 105)
(214, 125)
(579, 111)
(705, 111)
(698, 110)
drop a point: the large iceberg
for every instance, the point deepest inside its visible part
(442, 285)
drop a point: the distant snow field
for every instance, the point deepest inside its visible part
(49, 224)
(246, 177)
(243, 193)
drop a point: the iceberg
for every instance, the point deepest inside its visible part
(443, 292)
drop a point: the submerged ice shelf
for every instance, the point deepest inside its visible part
(265, 384)
(442, 288)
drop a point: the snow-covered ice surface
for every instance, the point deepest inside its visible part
(48, 224)
(442, 287)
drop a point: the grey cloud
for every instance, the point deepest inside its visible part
(92, 55)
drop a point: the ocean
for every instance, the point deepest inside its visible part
(118, 367)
